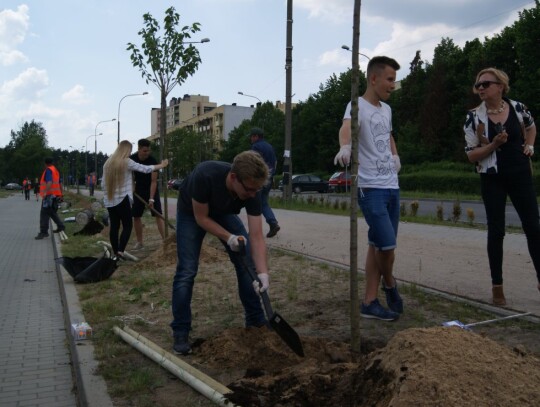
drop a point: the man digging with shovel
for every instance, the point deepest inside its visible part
(210, 200)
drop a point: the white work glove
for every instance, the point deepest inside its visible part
(233, 243)
(397, 162)
(343, 157)
(265, 281)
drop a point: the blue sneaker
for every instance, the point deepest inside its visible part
(377, 311)
(393, 299)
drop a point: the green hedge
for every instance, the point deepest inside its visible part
(440, 181)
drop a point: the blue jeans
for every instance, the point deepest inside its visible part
(520, 188)
(381, 211)
(266, 210)
(189, 238)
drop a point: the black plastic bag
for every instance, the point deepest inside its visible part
(89, 269)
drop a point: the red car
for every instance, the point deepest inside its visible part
(340, 182)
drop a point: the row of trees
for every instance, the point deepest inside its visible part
(25, 154)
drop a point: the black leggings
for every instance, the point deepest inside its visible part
(120, 214)
(520, 188)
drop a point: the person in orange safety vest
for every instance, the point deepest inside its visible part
(50, 190)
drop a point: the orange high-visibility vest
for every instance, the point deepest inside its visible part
(55, 189)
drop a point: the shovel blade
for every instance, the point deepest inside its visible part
(287, 333)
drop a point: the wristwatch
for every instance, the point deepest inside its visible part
(151, 201)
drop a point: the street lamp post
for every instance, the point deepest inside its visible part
(86, 154)
(250, 96)
(259, 104)
(95, 144)
(118, 116)
(346, 47)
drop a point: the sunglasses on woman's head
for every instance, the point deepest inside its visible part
(484, 84)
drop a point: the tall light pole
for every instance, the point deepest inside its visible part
(346, 47)
(86, 154)
(118, 116)
(77, 169)
(95, 144)
(250, 96)
(259, 104)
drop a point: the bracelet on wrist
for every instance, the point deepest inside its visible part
(151, 201)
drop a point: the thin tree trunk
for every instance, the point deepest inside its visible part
(355, 80)
(162, 156)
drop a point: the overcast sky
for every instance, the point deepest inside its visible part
(64, 62)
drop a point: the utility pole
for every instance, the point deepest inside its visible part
(287, 159)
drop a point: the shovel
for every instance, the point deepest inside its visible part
(282, 328)
(468, 326)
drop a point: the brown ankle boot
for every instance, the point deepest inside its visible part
(498, 295)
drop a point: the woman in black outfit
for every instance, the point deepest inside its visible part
(500, 135)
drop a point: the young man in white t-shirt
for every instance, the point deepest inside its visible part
(378, 193)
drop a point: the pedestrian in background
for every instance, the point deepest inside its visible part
(146, 186)
(378, 193)
(50, 190)
(266, 151)
(117, 184)
(27, 187)
(36, 189)
(500, 135)
(91, 182)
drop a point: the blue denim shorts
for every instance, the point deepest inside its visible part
(381, 211)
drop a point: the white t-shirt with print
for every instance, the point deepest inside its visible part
(376, 167)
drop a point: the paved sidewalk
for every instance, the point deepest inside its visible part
(36, 364)
(40, 365)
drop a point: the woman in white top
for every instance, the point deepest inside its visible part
(117, 184)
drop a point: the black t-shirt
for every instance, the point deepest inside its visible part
(510, 157)
(143, 181)
(206, 184)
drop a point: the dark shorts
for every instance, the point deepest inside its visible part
(138, 207)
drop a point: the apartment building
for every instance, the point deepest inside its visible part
(180, 110)
(198, 114)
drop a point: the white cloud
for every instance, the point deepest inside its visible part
(13, 29)
(12, 57)
(76, 95)
(335, 11)
(27, 85)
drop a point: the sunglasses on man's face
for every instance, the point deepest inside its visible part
(484, 84)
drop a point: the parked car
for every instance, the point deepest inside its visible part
(306, 183)
(340, 182)
(174, 183)
(13, 186)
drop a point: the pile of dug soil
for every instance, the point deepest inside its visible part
(437, 366)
